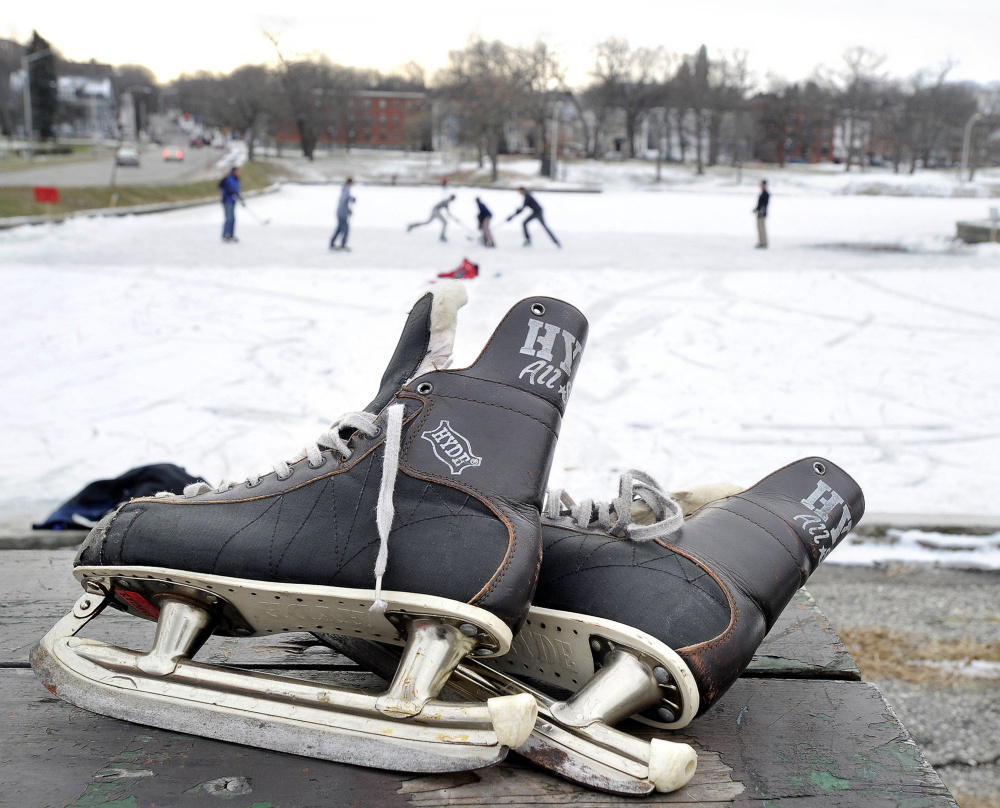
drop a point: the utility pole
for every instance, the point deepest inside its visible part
(29, 128)
(555, 138)
(966, 142)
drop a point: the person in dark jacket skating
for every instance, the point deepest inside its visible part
(483, 216)
(761, 211)
(536, 213)
(343, 215)
(230, 187)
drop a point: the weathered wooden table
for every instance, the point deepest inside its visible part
(800, 729)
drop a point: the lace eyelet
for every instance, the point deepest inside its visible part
(252, 485)
(537, 309)
(322, 462)
(819, 468)
(279, 478)
(424, 388)
(376, 433)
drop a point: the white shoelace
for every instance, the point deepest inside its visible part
(363, 422)
(637, 492)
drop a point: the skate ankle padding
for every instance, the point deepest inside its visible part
(426, 341)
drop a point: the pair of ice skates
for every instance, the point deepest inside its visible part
(409, 537)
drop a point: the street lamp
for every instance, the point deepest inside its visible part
(965, 144)
(29, 128)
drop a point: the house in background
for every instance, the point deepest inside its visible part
(87, 105)
(86, 96)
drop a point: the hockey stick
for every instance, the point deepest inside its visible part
(469, 233)
(254, 216)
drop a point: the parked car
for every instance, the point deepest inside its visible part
(196, 142)
(173, 154)
(127, 156)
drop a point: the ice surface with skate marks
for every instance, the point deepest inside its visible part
(146, 339)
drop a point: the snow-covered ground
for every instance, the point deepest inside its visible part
(863, 335)
(794, 179)
(921, 547)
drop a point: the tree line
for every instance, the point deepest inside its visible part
(637, 101)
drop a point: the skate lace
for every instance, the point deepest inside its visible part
(642, 511)
(365, 423)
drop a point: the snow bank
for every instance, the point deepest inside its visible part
(918, 546)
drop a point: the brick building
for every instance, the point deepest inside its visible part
(366, 119)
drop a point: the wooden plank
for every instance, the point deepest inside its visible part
(39, 589)
(767, 742)
(803, 643)
(55, 754)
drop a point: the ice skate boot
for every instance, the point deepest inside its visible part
(644, 613)
(636, 610)
(414, 522)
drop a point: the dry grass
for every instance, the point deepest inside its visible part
(976, 800)
(20, 201)
(882, 654)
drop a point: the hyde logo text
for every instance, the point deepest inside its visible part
(543, 342)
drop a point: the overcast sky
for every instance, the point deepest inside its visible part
(783, 39)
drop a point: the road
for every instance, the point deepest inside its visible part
(198, 164)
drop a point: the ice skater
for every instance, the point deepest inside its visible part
(230, 187)
(484, 216)
(343, 215)
(536, 213)
(438, 212)
(761, 211)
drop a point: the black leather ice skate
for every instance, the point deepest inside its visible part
(645, 614)
(414, 522)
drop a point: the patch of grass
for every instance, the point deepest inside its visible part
(20, 201)
(883, 654)
(11, 160)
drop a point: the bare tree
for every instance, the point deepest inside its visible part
(629, 79)
(543, 85)
(600, 100)
(250, 93)
(485, 82)
(728, 83)
(859, 81)
(300, 80)
(693, 86)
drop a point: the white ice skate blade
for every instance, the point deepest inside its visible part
(273, 712)
(556, 647)
(275, 608)
(596, 755)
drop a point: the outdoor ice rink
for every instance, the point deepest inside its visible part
(861, 335)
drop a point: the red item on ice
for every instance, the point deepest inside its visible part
(466, 271)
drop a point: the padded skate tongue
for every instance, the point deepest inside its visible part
(426, 342)
(537, 348)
